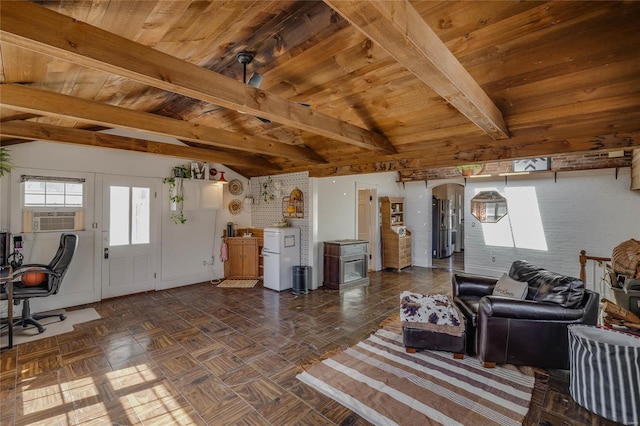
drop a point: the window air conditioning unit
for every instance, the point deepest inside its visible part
(51, 221)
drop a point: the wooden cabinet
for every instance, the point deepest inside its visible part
(396, 239)
(242, 261)
(259, 234)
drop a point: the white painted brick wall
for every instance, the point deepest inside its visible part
(590, 210)
(417, 207)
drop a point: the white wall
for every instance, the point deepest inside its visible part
(330, 210)
(335, 214)
(590, 210)
(418, 218)
(183, 248)
(417, 207)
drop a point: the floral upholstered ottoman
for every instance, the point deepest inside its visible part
(431, 321)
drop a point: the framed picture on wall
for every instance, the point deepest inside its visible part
(532, 164)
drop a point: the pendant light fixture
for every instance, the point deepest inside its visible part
(245, 58)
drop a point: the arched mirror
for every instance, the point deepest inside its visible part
(489, 206)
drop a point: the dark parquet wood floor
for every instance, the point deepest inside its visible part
(205, 355)
(455, 262)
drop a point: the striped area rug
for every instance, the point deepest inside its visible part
(387, 386)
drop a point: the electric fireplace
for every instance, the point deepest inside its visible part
(345, 263)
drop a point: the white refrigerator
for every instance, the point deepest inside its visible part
(280, 253)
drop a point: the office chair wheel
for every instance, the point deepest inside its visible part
(29, 321)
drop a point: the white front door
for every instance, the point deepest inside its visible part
(130, 217)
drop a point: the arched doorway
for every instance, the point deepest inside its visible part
(447, 246)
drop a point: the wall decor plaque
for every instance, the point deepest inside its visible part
(235, 187)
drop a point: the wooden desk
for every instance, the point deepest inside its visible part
(6, 275)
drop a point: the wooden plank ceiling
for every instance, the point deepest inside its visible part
(348, 87)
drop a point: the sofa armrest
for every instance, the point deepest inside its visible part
(495, 306)
(472, 285)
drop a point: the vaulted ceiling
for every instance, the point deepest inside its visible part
(348, 86)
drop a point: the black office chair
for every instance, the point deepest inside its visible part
(54, 272)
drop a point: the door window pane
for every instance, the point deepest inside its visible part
(140, 215)
(119, 216)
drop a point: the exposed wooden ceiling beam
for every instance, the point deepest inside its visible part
(45, 31)
(27, 99)
(400, 30)
(51, 133)
(527, 143)
(10, 142)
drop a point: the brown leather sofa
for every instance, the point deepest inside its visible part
(532, 331)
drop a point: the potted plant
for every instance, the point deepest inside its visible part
(469, 169)
(182, 172)
(5, 161)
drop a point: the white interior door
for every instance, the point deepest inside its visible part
(130, 219)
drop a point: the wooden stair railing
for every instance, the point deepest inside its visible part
(583, 263)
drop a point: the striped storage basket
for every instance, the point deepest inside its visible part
(605, 372)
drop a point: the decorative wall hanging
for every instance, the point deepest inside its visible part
(267, 190)
(293, 205)
(198, 170)
(235, 206)
(235, 187)
(531, 164)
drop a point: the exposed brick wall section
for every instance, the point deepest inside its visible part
(596, 160)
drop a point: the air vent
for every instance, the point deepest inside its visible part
(51, 221)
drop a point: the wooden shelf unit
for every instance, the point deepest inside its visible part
(396, 249)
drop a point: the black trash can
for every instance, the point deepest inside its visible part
(301, 279)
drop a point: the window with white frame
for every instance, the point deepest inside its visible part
(52, 204)
(43, 192)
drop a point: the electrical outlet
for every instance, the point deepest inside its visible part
(204, 263)
(493, 259)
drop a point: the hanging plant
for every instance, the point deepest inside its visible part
(469, 169)
(178, 217)
(176, 198)
(267, 190)
(5, 161)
